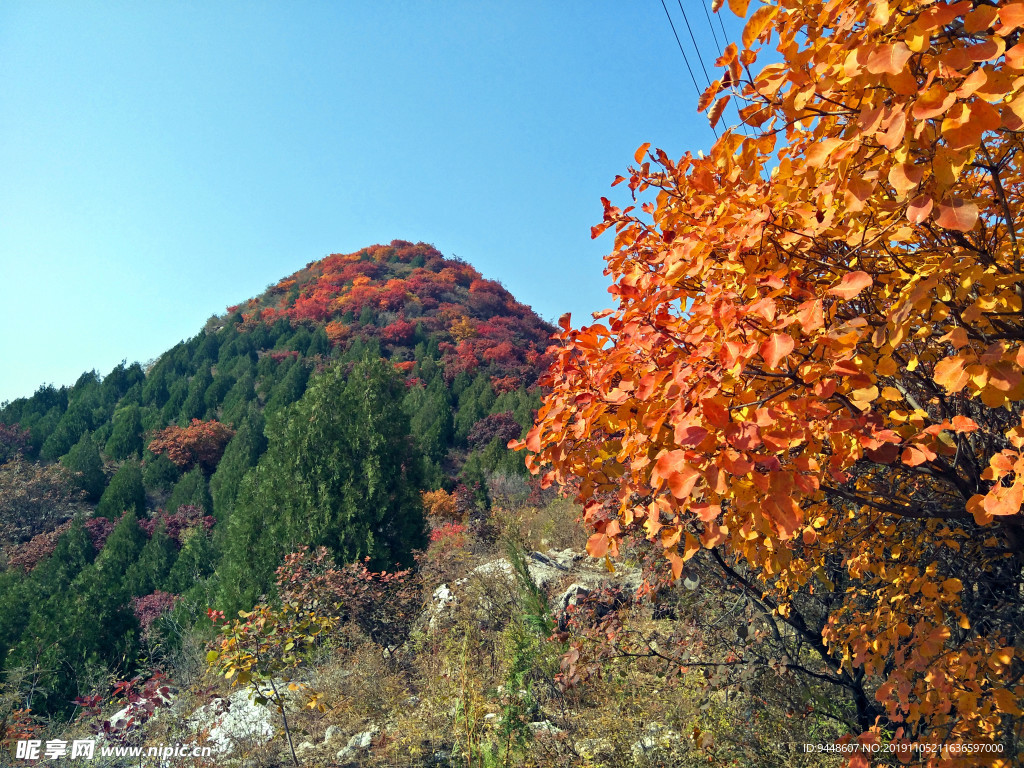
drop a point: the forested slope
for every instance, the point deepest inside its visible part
(315, 413)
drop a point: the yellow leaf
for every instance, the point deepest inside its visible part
(739, 7)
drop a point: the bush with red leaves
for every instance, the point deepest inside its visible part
(149, 608)
(497, 425)
(185, 518)
(383, 605)
(202, 443)
(98, 528)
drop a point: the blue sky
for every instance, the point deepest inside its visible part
(162, 160)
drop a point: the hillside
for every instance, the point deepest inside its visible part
(126, 494)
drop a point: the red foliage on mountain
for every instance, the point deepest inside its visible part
(27, 556)
(98, 528)
(184, 519)
(500, 425)
(279, 355)
(13, 440)
(386, 291)
(149, 608)
(202, 443)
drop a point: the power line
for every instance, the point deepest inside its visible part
(735, 105)
(685, 59)
(694, 41)
(721, 44)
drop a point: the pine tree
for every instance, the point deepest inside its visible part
(160, 474)
(241, 455)
(125, 492)
(126, 439)
(340, 471)
(69, 430)
(194, 563)
(191, 489)
(84, 460)
(155, 561)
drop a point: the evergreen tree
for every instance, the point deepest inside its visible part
(289, 387)
(160, 474)
(319, 344)
(237, 400)
(175, 399)
(194, 406)
(340, 471)
(241, 455)
(125, 492)
(69, 430)
(123, 546)
(126, 439)
(84, 460)
(191, 489)
(194, 563)
(156, 390)
(155, 561)
(474, 403)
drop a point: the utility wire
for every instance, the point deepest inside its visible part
(685, 59)
(720, 44)
(736, 106)
(694, 41)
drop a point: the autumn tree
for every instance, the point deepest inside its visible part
(200, 443)
(813, 369)
(34, 499)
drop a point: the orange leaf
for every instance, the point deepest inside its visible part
(681, 483)
(716, 111)
(904, 177)
(851, 284)
(919, 209)
(533, 440)
(709, 94)
(641, 152)
(951, 374)
(889, 57)
(1004, 501)
(957, 215)
(728, 56)
(758, 23)
(775, 349)
(1011, 16)
(933, 102)
(597, 545)
(739, 7)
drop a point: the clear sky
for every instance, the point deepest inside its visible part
(162, 160)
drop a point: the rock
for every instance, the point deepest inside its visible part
(358, 743)
(545, 727)
(592, 749)
(234, 721)
(546, 570)
(331, 733)
(572, 595)
(659, 738)
(304, 747)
